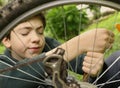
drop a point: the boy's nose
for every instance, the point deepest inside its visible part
(35, 37)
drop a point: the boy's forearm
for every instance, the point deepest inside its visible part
(72, 48)
(87, 42)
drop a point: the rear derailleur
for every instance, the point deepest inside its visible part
(56, 68)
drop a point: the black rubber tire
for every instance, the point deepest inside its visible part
(115, 1)
(15, 8)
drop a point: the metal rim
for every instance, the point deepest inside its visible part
(54, 4)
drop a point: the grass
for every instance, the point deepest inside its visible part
(2, 48)
(75, 75)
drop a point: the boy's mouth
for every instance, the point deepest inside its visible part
(34, 49)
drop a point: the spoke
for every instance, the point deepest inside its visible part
(94, 42)
(26, 80)
(65, 37)
(45, 73)
(22, 71)
(65, 34)
(115, 81)
(8, 58)
(111, 79)
(36, 71)
(108, 39)
(53, 31)
(107, 50)
(79, 30)
(65, 29)
(28, 65)
(106, 70)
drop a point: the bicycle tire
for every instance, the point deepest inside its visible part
(115, 1)
(12, 14)
(15, 8)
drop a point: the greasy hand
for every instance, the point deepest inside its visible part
(97, 40)
(93, 63)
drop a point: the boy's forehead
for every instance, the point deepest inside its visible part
(22, 25)
(33, 22)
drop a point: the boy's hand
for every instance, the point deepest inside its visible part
(97, 40)
(93, 63)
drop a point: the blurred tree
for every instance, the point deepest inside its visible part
(3, 2)
(0, 3)
(95, 9)
(66, 21)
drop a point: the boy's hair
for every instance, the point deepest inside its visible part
(42, 18)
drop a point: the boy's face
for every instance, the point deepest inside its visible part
(26, 39)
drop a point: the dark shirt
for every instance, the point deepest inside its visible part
(12, 83)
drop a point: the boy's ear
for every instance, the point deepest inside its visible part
(6, 42)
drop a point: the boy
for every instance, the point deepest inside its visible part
(27, 40)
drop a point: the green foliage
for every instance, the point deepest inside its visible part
(95, 9)
(75, 75)
(0, 3)
(2, 48)
(3, 2)
(66, 17)
(108, 22)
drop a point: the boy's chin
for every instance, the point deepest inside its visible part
(32, 55)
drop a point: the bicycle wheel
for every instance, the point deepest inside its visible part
(19, 10)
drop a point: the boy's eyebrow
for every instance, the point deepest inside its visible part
(39, 27)
(24, 28)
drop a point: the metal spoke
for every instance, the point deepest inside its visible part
(22, 71)
(106, 70)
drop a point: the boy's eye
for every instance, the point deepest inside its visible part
(41, 33)
(24, 34)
